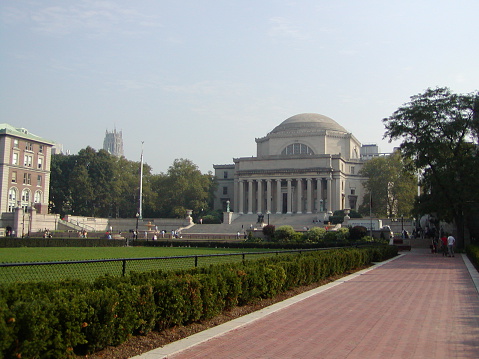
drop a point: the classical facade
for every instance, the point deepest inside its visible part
(25, 170)
(307, 164)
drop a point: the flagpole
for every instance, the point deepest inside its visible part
(140, 206)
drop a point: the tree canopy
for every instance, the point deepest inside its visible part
(391, 185)
(95, 183)
(438, 130)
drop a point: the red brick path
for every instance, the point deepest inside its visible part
(417, 306)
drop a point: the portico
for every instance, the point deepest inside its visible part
(283, 195)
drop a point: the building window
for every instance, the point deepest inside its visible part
(39, 180)
(297, 149)
(225, 190)
(28, 160)
(40, 149)
(225, 174)
(15, 143)
(38, 197)
(12, 199)
(27, 178)
(353, 191)
(40, 163)
(29, 146)
(352, 170)
(14, 177)
(25, 198)
(15, 159)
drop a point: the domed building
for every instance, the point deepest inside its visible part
(307, 164)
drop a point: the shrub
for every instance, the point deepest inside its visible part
(357, 232)
(269, 230)
(342, 234)
(315, 234)
(211, 219)
(284, 233)
(59, 319)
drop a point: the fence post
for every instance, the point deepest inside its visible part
(196, 261)
(243, 258)
(124, 268)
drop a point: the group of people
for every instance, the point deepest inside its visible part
(447, 245)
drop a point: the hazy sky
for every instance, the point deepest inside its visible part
(202, 79)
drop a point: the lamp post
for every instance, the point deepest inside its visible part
(136, 231)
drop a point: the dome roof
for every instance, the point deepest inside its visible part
(308, 122)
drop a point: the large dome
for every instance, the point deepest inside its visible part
(308, 122)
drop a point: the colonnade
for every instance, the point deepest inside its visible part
(283, 195)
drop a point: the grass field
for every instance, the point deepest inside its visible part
(51, 254)
(90, 271)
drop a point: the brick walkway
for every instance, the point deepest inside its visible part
(419, 305)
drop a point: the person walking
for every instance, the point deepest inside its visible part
(450, 245)
(444, 245)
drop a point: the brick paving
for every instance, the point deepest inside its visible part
(419, 305)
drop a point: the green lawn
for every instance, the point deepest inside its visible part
(90, 271)
(51, 254)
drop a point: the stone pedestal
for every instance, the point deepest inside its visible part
(227, 217)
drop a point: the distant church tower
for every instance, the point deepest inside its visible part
(113, 143)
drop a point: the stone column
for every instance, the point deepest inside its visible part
(309, 196)
(339, 195)
(260, 197)
(299, 206)
(329, 185)
(279, 197)
(268, 196)
(235, 196)
(319, 194)
(241, 197)
(250, 196)
(290, 197)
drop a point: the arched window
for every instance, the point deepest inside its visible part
(297, 149)
(26, 198)
(38, 197)
(12, 199)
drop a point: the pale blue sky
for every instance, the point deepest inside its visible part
(202, 79)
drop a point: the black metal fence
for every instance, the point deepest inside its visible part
(91, 269)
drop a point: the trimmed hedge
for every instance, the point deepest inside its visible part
(472, 252)
(58, 319)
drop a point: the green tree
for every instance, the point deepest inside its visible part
(184, 187)
(437, 131)
(60, 194)
(391, 184)
(95, 183)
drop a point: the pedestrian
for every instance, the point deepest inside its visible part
(450, 245)
(444, 245)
